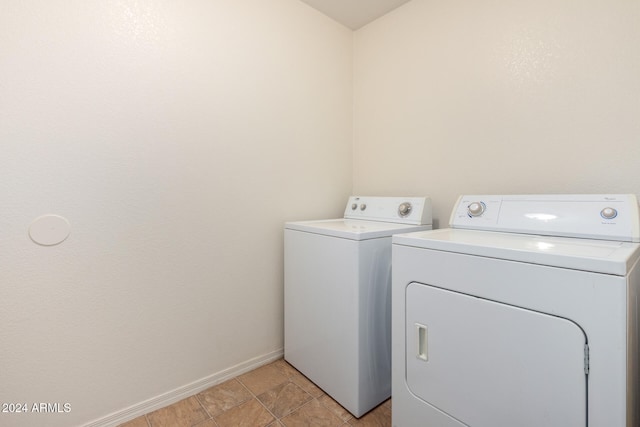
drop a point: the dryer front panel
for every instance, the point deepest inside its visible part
(489, 364)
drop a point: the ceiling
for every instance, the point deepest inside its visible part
(354, 13)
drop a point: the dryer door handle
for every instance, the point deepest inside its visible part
(423, 353)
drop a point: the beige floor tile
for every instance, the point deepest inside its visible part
(248, 414)
(312, 414)
(335, 407)
(284, 398)
(306, 384)
(223, 397)
(285, 367)
(298, 378)
(138, 422)
(262, 379)
(257, 399)
(185, 413)
(379, 416)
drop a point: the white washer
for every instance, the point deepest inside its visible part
(337, 297)
(523, 313)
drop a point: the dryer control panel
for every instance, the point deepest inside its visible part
(592, 216)
(402, 210)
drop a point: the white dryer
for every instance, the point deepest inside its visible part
(523, 313)
(337, 296)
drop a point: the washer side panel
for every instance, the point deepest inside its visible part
(321, 315)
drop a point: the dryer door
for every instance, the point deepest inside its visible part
(489, 364)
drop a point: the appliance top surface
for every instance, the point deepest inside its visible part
(601, 256)
(591, 216)
(353, 229)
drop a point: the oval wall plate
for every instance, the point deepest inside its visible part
(49, 230)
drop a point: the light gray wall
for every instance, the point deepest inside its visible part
(176, 138)
(507, 96)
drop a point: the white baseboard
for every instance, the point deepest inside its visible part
(134, 411)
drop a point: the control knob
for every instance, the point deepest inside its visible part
(354, 206)
(476, 209)
(608, 213)
(363, 207)
(404, 209)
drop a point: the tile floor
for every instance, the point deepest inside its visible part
(273, 395)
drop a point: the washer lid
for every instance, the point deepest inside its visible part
(601, 256)
(353, 229)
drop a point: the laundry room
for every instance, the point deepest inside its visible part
(171, 142)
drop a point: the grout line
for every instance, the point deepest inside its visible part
(206, 421)
(202, 406)
(349, 415)
(288, 381)
(301, 405)
(234, 406)
(256, 397)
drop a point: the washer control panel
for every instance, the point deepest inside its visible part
(595, 216)
(403, 210)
